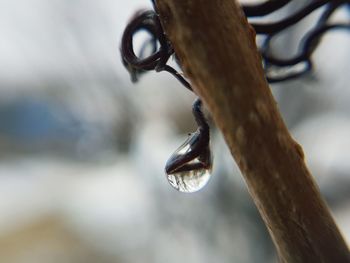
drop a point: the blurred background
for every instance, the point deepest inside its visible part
(82, 149)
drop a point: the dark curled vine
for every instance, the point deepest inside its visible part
(308, 43)
(188, 169)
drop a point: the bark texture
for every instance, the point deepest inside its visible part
(217, 49)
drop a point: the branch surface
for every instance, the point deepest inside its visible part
(217, 49)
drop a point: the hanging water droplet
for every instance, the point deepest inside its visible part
(189, 168)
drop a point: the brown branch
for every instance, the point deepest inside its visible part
(217, 49)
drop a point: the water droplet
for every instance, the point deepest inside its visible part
(189, 168)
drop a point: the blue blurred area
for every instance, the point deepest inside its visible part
(31, 120)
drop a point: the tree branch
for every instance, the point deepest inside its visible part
(216, 47)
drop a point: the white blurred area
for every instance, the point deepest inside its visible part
(82, 150)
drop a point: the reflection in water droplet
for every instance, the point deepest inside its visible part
(189, 181)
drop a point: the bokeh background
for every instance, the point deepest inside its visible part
(82, 149)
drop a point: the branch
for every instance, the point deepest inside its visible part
(216, 47)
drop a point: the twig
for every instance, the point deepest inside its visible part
(217, 50)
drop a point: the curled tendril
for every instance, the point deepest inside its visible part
(308, 43)
(148, 21)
